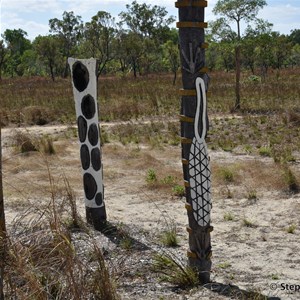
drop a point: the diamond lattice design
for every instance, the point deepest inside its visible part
(200, 182)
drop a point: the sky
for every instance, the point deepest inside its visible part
(33, 15)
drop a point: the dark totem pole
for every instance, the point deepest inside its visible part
(84, 81)
(194, 126)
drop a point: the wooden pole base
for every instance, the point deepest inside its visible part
(96, 217)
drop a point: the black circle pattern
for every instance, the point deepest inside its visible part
(93, 134)
(88, 106)
(80, 76)
(99, 199)
(96, 159)
(85, 157)
(82, 128)
(90, 186)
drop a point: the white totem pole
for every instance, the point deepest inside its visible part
(84, 80)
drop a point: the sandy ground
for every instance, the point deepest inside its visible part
(262, 257)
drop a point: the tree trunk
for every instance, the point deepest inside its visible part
(237, 77)
(2, 227)
(192, 55)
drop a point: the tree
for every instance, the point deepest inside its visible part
(3, 52)
(237, 11)
(69, 30)
(99, 37)
(171, 54)
(17, 44)
(294, 37)
(146, 20)
(47, 49)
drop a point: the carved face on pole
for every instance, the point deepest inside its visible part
(85, 94)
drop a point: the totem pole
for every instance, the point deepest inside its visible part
(84, 79)
(194, 126)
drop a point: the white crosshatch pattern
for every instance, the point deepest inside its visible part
(199, 169)
(94, 192)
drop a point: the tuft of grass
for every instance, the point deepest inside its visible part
(169, 237)
(24, 143)
(248, 223)
(151, 176)
(290, 180)
(265, 151)
(172, 270)
(178, 190)
(291, 229)
(47, 146)
(227, 174)
(224, 265)
(228, 216)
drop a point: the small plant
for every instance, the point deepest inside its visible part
(168, 180)
(126, 243)
(47, 146)
(178, 190)
(151, 177)
(228, 216)
(252, 195)
(248, 223)
(24, 143)
(224, 265)
(291, 229)
(169, 237)
(265, 151)
(291, 180)
(274, 276)
(227, 175)
(173, 271)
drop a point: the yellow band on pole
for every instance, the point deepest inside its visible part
(188, 207)
(186, 119)
(187, 3)
(204, 45)
(185, 162)
(189, 230)
(192, 254)
(186, 184)
(204, 70)
(185, 140)
(191, 24)
(183, 92)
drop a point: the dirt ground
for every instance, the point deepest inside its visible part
(252, 250)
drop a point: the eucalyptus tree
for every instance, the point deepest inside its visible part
(69, 30)
(47, 49)
(3, 52)
(99, 39)
(17, 44)
(236, 11)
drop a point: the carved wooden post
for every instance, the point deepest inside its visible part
(84, 81)
(2, 226)
(194, 125)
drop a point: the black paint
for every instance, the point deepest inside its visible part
(99, 199)
(82, 128)
(88, 106)
(90, 186)
(93, 134)
(85, 157)
(96, 159)
(80, 76)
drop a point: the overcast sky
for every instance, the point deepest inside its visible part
(33, 15)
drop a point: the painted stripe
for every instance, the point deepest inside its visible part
(200, 87)
(185, 162)
(185, 140)
(186, 183)
(192, 254)
(204, 45)
(204, 70)
(183, 92)
(189, 3)
(186, 119)
(188, 207)
(191, 24)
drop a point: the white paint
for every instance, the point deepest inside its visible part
(91, 89)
